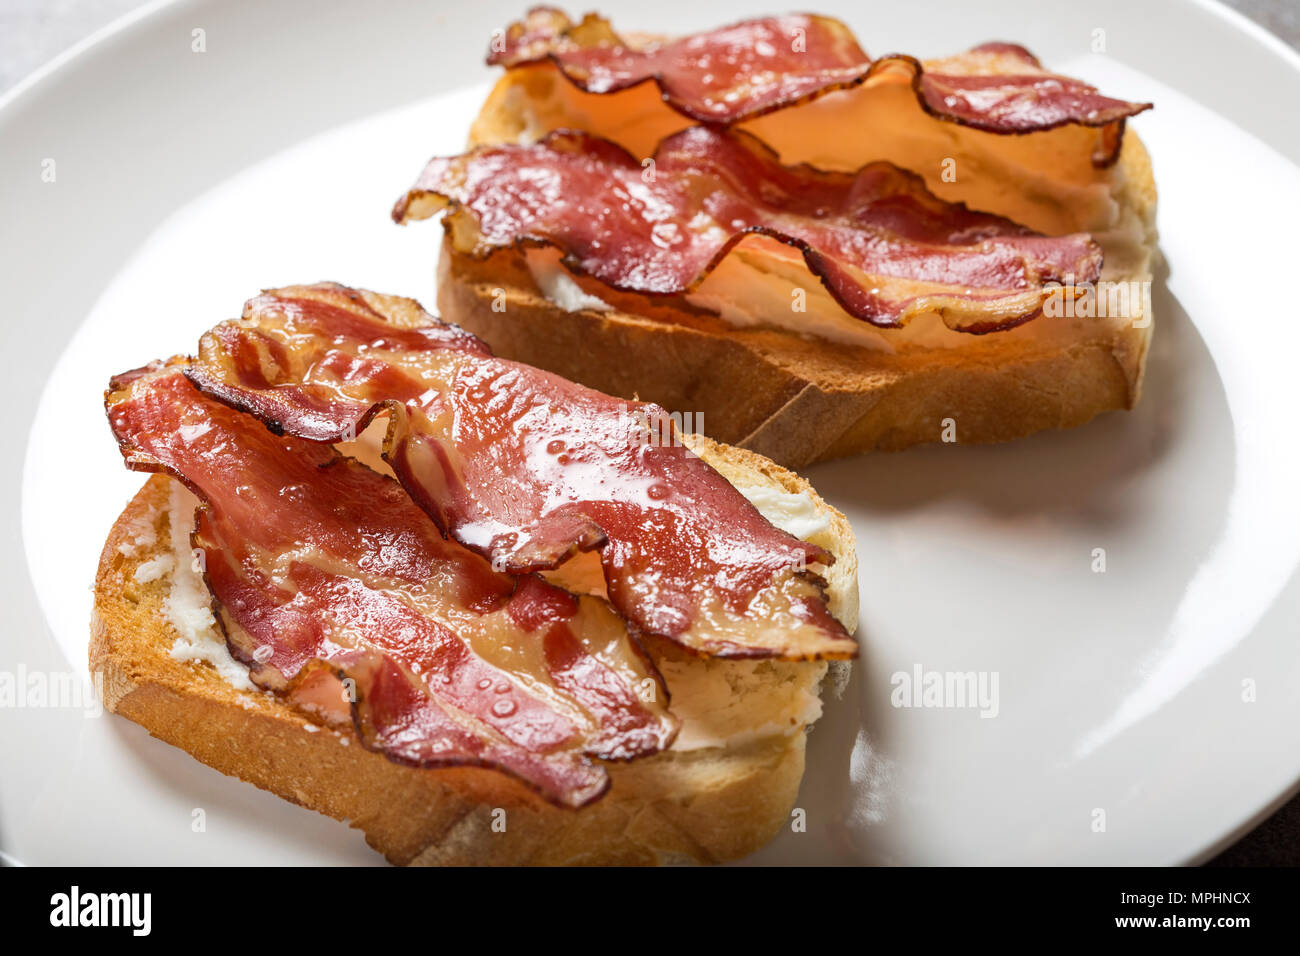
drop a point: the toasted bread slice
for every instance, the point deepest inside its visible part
(724, 789)
(798, 392)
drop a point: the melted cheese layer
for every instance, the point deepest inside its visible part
(1044, 180)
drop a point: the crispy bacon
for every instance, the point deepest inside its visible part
(317, 562)
(528, 468)
(738, 72)
(884, 246)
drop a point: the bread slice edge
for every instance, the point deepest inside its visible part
(799, 399)
(704, 805)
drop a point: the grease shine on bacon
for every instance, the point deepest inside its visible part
(738, 72)
(325, 565)
(884, 246)
(528, 468)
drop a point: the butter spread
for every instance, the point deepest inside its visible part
(187, 606)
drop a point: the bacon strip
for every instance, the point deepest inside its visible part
(884, 246)
(528, 468)
(738, 72)
(325, 564)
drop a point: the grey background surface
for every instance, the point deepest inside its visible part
(34, 31)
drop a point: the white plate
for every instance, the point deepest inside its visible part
(186, 181)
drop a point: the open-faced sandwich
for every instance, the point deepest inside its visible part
(483, 613)
(818, 252)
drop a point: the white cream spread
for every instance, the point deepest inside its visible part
(187, 606)
(142, 535)
(155, 568)
(555, 283)
(793, 512)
